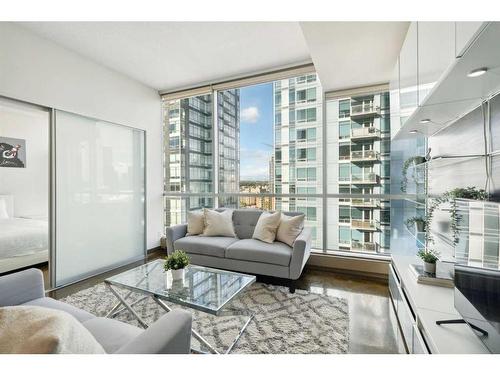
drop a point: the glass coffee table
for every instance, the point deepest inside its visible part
(205, 289)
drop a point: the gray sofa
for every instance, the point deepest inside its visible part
(169, 334)
(243, 253)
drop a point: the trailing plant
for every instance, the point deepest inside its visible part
(428, 255)
(414, 160)
(413, 220)
(176, 261)
(450, 197)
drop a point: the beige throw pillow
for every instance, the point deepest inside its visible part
(39, 330)
(289, 228)
(195, 222)
(266, 227)
(218, 223)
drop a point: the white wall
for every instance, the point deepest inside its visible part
(39, 71)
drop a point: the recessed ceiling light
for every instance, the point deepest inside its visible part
(425, 120)
(477, 72)
(413, 131)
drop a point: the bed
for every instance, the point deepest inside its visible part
(23, 240)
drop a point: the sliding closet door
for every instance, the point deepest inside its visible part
(100, 196)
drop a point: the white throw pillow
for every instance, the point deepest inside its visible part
(266, 227)
(195, 222)
(3, 209)
(290, 228)
(218, 223)
(39, 330)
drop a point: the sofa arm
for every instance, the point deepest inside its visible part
(301, 253)
(173, 234)
(171, 334)
(20, 287)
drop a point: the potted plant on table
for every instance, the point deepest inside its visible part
(429, 257)
(419, 223)
(177, 262)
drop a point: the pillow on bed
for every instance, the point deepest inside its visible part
(3, 209)
(39, 330)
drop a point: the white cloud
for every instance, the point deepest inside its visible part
(254, 164)
(250, 114)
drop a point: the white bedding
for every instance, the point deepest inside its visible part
(19, 237)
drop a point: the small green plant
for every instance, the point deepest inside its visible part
(404, 171)
(176, 261)
(419, 221)
(428, 255)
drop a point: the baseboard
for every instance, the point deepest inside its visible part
(372, 268)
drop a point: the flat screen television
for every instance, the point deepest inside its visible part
(477, 299)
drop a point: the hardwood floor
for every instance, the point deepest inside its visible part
(371, 318)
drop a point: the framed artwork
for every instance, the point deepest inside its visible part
(12, 153)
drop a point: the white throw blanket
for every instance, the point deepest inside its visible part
(39, 330)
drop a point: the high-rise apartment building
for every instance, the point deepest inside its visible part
(189, 150)
(298, 124)
(359, 163)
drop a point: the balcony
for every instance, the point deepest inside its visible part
(364, 246)
(366, 155)
(364, 110)
(365, 224)
(365, 202)
(365, 133)
(361, 179)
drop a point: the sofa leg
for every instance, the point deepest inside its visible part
(291, 286)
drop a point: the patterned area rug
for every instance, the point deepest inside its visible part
(303, 322)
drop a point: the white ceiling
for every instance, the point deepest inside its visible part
(170, 55)
(173, 55)
(353, 54)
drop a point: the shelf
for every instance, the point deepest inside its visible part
(455, 94)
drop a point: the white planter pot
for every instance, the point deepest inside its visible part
(178, 274)
(430, 267)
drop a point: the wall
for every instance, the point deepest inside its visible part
(39, 71)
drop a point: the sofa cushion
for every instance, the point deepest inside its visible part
(40, 330)
(79, 314)
(258, 251)
(245, 221)
(213, 246)
(195, 222)
(110, 333)
(266, 227)
(218, 224)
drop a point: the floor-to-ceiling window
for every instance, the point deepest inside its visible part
(263, 146)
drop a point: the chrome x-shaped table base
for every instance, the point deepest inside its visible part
(117, 309)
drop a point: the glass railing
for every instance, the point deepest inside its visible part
(364, 246)
(365, 155)
(365, 132)
(365, 202)
(366, 178)
(364, 108)
(366, 224)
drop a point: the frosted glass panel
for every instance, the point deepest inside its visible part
(100, 186)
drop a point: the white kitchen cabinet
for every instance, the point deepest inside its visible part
(436, 52)
(465, 33)
(408, 74)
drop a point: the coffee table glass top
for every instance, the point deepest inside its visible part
(205, 289)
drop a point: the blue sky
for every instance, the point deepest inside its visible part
(256, 131)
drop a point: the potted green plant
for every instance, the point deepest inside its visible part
(450, 197)
(176, 263)
(419, 223)
(414, 160)
(429, 257)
